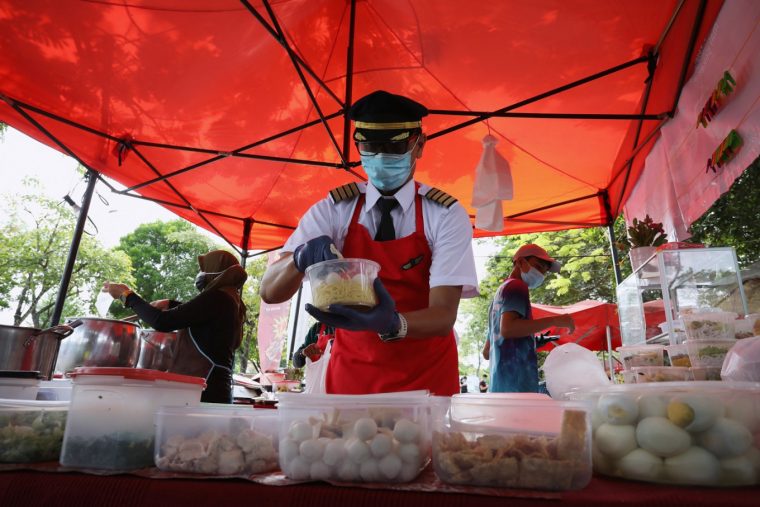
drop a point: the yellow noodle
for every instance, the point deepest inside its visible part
(343, 292)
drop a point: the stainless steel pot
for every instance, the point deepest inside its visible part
(100, 342)
(29, 348)
(157, 349)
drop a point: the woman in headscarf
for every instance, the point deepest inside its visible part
(214, 317)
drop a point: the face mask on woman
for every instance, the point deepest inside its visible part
(202, 279)
(388, 171)
(533, 278)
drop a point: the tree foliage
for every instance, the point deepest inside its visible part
(249, 350)
(34, 243)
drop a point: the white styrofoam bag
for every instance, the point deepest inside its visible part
(571, 367)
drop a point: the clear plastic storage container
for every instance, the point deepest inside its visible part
(641, 355)
(705, 373)
(709, 325)
(361, 438)
(678, 355)
(216, 439)
(344, 282)
(537, 444)
(111, 418)
(55, 390)
(19, 385)
(661, 374)
(747, 327)
(709, 353)
(688, 433)
(629, 377)
(31, 430)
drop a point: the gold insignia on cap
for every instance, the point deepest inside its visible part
(400, 137)
(359, 136)
(440, 197)
(345, 192)
(388, 126)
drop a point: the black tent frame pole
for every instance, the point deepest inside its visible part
(556, 116)
(349, 83)
(63, 287)
(295, 324)
(605, 197)
(247, 225)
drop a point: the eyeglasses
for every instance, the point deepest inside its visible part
(389, 147)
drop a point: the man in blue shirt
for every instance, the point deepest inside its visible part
(511, 347)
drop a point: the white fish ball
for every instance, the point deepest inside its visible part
(408, 472)
(652, 405)
(409, 453)
(348, 471)
(615, 441)
(288, 450)
(298, 469)
(381, 445)
(618, 408)
(369, 471)
(726, 438)
(365, 428)
(311, 450)
(390, 466)
(405, 431)
(661, 437)
(320, 471)
(737, 471)
(357, 450)
(641, 465)
(335, 451)
(695, 466)
(300, 431)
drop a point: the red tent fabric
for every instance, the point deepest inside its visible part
(591, 321)
(231, 113)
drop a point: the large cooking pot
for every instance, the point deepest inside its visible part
(100, 342)
(29, 348)
(157, 349)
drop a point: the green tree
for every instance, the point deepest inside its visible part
(249, 350)
(165, 259)
(34, 243)
(3, 130)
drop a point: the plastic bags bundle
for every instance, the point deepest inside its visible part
(571, 367)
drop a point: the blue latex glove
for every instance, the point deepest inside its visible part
(313, 251)
(382, 319)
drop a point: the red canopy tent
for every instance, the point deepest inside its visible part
(591, 321)
(231, 113)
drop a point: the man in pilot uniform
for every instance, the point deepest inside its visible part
(422, 239)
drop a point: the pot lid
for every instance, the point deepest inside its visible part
(20, 374)
(138, 374)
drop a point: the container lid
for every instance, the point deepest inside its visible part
(644, 346)
(137, 374)
(331, 400)
(20, 374)
(22, 405)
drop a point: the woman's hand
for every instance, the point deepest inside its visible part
(115, 289)
(565, 321)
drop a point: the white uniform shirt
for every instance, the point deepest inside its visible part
(448, 231)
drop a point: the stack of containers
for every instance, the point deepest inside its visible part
(641, 363)
(363, 438)
(514, 442)
(31, 430)
(19, 385)
(216, 439)
(111, 416)
(689, 433)
(710, 335)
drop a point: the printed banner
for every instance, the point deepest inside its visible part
(273, 329)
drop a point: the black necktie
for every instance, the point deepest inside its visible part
(385, 230)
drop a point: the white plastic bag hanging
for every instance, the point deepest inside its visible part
(493, 183)
(103, 303)
(742, 363)
(570, 367)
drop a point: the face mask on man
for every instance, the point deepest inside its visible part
(533, 278)
(388, 171)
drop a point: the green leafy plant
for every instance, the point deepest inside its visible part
(646, 232)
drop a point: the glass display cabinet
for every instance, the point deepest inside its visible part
(686, 280)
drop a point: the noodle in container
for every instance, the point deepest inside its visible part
(343, 282)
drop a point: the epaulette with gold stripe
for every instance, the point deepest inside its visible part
(347, 191)
(440, 197)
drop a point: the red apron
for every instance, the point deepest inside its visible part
(361, 363)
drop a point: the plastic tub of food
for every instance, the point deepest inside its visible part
(55, 390)
(678, 355)
(111, 419)
(710, 325)
(747, 327)
(536, 444)
(344, 282)
(216, 439)
(629, 377)
(31, 430)
(354, 438)
(641, 355)
(287, 386)
(687, 433)
(705, 373)
(710, 353)
(19, 385)
(661, 374)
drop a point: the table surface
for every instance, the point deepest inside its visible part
(24, 488)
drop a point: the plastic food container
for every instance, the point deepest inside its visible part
(19, 385)
(705, 373)
(710, 353)
(537, 444)
(55, 390)
(31, 430)
(286, 386)
(362, 438)
(216, 439)
(343, 281)
(677, 332)
(687, 433)
(678, 355)
(641, 355)
(111, 418)
(661, 374)
(709, 325)
(747, 327)
(629, 377)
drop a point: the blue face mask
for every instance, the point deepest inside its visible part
(388, 171)
(532, 278)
